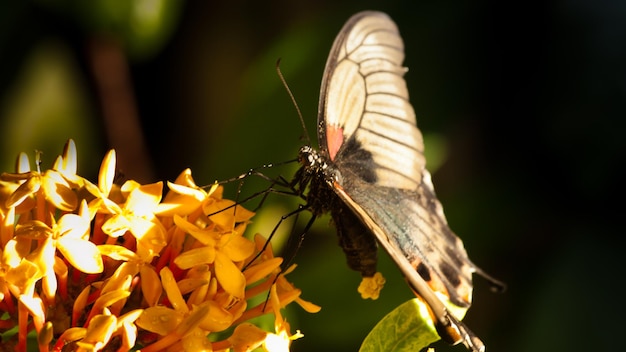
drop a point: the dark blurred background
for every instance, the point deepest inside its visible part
(521, 103)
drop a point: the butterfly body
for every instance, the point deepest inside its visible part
(355, 239)
(370, 173)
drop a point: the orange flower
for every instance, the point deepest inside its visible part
(137, 216)
(70, 237)
(248, 337)
(56, 184)
(181, 324)
(221, 249)
(111, 241)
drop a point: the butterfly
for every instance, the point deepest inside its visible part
(370, 174)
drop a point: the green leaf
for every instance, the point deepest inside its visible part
(409, 327)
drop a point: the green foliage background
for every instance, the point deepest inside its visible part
(522, 105)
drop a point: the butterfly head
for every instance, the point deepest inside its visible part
(315, 164)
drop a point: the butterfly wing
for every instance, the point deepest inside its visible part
(367, 127)
(362, 82)
(412, 255)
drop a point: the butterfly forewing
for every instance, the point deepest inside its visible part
(364, 97)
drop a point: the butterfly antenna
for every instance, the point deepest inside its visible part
(293, 100)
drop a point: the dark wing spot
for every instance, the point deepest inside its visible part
(357, 160)
(423, 271)
(450, 273)
(454, 257)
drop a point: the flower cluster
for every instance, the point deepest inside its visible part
(107, 267)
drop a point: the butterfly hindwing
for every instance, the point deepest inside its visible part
(415, 233)
(449, 327)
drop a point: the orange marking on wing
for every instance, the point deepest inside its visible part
(436, 284)
(334, 139)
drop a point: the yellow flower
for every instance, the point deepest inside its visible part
(137, 216)
(21, 274)
(183, 198)
(79, 263)
(55, 184)
(281, 340)
(105, 185)
(133, 264)
(98, 333)
(248, 337)
(370, 287)
(285, 288)
(70, 237)
(265, 264)
(72, 240)
(223, 250)
(180, 324)
(102, 328)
